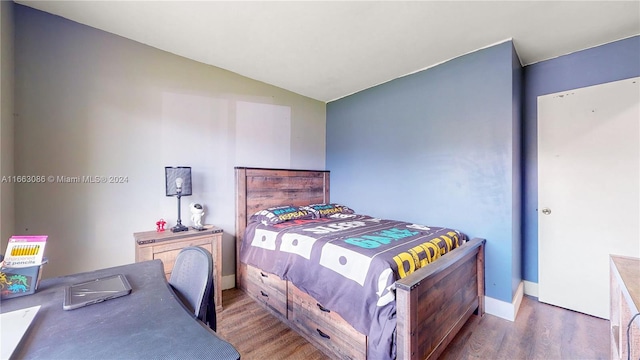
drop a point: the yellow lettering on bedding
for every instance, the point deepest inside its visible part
(437, 242)
(412, 257)
(291, 215)
(448, 241)
(455, 237)
(426, 259)
(436, 251)
(415, 254)
(427, 255)
(400, 259)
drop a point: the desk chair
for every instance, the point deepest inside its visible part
(192, 280)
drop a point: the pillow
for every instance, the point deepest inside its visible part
(280, 214)
(326, 210)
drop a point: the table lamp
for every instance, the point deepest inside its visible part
(178, 184)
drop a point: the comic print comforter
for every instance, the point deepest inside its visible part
(349, 263)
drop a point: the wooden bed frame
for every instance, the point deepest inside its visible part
(432, 303)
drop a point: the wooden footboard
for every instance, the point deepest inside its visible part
(432, 303)
(435, 301)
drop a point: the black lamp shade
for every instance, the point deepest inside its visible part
(172, 174)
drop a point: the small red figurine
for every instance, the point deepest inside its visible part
(160, 225)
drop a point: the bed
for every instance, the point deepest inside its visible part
(430, 305)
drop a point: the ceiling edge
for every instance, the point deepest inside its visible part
(426, 68)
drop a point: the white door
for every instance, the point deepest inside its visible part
(588, 191)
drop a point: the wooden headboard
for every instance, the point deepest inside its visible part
(258, 189)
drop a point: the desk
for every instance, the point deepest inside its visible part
(149, 323)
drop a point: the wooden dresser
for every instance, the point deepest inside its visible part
(625, 303)
(166, 245)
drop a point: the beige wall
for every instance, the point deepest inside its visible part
(7, 218)
(95, 104)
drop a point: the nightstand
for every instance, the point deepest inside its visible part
(166, 245)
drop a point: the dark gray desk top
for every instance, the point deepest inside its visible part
(150, 323)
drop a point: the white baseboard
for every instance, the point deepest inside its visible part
(505, 309)
(228, 282)
(531, 288)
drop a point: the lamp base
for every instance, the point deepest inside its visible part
(179, 228)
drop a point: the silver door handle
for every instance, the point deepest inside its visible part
(546, 211)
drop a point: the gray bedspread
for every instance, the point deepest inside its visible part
(349, 263)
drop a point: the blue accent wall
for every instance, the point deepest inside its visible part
(440, 147)
(611, 62)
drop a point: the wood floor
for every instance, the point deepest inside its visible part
(540, 331)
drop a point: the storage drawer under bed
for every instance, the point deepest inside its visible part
(328, 329)
(267, 288)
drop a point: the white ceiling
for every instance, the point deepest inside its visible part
(329, 49)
